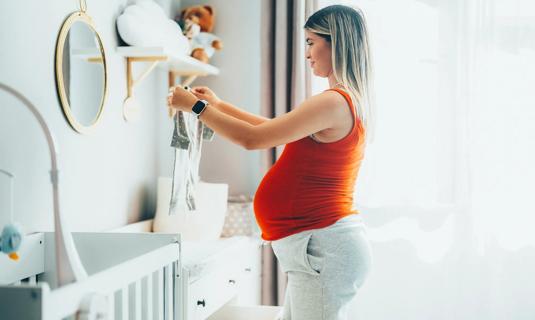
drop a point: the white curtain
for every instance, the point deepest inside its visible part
(455, 91)
(451, 171)
(285, 84)
(403, 164)
(500, 113)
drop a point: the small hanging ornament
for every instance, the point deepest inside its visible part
(11, 236)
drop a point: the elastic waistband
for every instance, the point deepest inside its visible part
(349, 221)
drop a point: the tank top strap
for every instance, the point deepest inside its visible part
(348, 99)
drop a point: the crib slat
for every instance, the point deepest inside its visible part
(177, 287)
(158, 295)
(147, 297)
(124, 303)
(171, 292)
(137, 302)
(168, 291)
(118, 305)
(111, 306)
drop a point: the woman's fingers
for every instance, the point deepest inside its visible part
(169, 101)
(170, 96)
(200, 95)
(180, 98)
(200, 89)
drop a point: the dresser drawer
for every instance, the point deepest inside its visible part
(249, 278)
(227, 274)
(211, 292)
(251, 260)
(249, 290)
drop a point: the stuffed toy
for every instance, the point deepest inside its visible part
(10, 240)
(203, 42)
(190, 28)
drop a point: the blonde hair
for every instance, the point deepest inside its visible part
(345, 29)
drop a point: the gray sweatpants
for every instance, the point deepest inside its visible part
(325, 268)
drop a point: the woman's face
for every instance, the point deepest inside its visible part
(319, 54)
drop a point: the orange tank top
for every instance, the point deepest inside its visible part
(311, 185)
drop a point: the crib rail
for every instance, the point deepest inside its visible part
(141, 287)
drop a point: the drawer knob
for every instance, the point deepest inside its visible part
(201, 303)
(248, 269)
(232, 281)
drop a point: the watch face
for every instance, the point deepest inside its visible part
(198, 106)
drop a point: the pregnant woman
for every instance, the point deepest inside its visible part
(304, 204)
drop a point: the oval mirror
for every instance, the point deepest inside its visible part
(81, 75)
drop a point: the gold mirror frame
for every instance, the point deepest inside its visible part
(64, 31)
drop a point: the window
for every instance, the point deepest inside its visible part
(409, 163)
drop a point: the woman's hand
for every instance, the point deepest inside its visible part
(204, 93)
(181, 99)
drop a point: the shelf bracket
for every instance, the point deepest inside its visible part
(95, 60)
(187, 82)
(177, 66)
(131, 83)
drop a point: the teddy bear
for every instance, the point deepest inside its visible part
(197, 23)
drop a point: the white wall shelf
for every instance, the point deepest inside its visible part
(175, 64)
(92, 54)
(179, 64)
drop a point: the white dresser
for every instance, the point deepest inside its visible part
(219, 279)
(215, 273)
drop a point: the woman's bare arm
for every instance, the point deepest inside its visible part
(315, 114)
(207, 94)
(238, 113)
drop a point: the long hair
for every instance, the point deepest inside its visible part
(345, 29)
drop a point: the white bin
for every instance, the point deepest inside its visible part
(231, 312)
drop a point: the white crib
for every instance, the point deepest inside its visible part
(131, 276)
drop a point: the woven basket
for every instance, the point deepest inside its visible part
(240, 220)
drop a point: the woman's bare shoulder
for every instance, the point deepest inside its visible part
(329, 99)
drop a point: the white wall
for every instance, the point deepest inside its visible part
(238, 24)
(108, 177)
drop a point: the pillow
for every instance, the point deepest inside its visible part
(145, 24)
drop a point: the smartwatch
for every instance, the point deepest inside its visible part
(199, 107)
